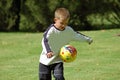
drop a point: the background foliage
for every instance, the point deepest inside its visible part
(37, 15)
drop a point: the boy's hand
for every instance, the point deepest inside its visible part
(49, 55)
(90, 41)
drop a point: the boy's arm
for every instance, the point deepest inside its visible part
(46, 45)
(82, 37)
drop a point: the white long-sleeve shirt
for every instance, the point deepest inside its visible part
(54, 39)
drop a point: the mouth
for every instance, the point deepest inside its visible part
(62, 28)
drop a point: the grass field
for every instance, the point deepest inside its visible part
(19, 56)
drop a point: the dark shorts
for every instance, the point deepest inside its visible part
(46, 71)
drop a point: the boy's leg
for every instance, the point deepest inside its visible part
(44, 72)
(58, 71)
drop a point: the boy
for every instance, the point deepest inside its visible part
(56, 36)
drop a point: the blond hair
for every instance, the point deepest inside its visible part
(62, 13)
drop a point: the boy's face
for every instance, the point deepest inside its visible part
(60, 23)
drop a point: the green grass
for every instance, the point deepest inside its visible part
(19, 57)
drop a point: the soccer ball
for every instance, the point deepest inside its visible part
(68, 53)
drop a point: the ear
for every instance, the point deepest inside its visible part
(55, 19)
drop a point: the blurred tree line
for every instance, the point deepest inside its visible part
(37, 15)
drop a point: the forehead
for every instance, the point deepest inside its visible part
(64, 20)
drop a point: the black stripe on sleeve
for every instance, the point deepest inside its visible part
(81, 34)
(47, 46)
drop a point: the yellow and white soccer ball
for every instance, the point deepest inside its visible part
(68, 53)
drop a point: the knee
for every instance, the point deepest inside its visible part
(59, 77)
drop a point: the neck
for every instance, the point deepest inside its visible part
(59, 28)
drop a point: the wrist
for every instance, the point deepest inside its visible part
(90, 40)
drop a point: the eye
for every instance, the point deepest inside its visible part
(63, 23)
